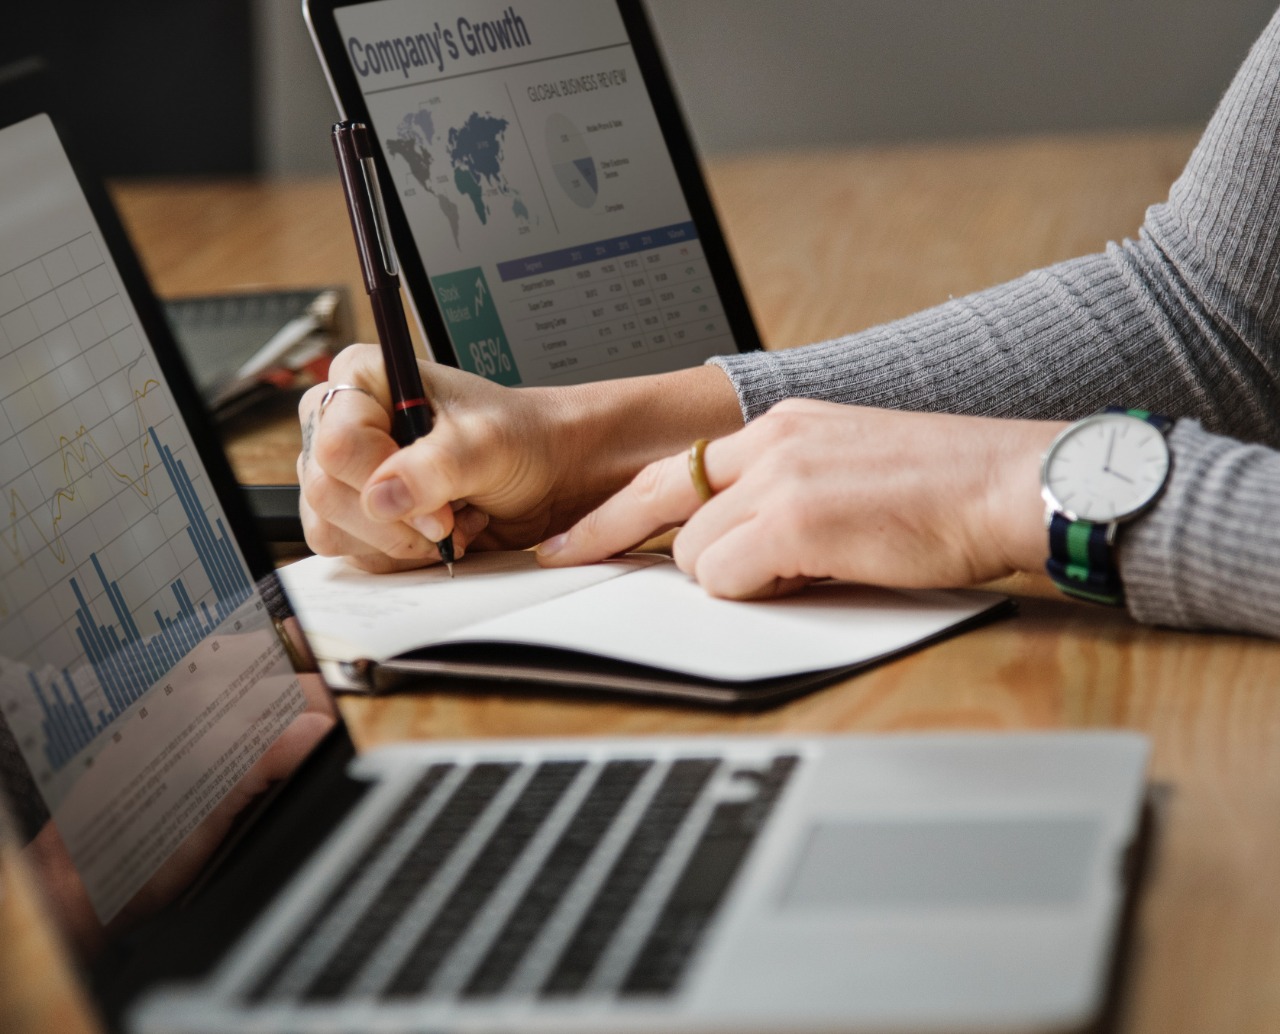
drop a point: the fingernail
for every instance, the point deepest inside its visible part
(389, 499)
(428, 527)
(553, 545)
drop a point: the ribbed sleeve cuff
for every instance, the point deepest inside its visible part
(756, 377)
(1205, 555)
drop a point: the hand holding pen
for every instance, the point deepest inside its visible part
(411, 416)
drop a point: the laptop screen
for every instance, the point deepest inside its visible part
(147, 697)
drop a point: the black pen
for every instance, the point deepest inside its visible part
(411, 414)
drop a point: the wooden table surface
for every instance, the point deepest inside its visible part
(828, 243)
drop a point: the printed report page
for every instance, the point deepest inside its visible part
(540, 192)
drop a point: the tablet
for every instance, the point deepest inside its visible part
(544, 200)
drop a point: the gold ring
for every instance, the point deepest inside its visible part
(698, 470)
(327, 397)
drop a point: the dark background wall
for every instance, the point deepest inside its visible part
(232, 86)
(159, 86)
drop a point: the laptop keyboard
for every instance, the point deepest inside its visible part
(553, 880)
(683, 782)
(555, 877)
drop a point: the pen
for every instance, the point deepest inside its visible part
(318, 317)
(411, 414)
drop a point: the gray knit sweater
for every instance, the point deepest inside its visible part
(1184, 321)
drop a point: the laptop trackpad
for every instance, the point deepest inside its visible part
(945, 863)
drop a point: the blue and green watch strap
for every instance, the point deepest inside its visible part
(1082, 559)
(1082, 562)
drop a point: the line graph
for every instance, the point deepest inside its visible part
(76, 447)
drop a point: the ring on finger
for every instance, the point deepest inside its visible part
(328, 396)
(698, 469)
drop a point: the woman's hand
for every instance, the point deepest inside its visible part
(814, 489)
(502, 467)
(474, 445)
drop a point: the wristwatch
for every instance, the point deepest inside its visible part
(1098, 473)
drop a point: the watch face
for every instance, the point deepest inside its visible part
(1105, 467)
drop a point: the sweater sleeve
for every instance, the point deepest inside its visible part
(1208, 555)
(1184, 320)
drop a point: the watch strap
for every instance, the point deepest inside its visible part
(1082, 561)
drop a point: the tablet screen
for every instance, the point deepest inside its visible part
(538, 188)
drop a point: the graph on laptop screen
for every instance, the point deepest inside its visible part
(538, 187)
(140, 674)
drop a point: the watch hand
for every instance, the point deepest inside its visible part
(1111, 444)
(1117, 474)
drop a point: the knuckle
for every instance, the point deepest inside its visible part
(321, 494)
(711, 576)
(322, 537)
(336, 451)
(683, 554)
(310, 400)
(312, 491)
(350, 364)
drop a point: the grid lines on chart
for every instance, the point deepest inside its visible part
(70, 363)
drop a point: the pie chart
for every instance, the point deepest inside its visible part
(574, 167)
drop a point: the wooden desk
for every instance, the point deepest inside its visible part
(828, 243)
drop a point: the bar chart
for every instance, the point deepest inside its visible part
(125, 662)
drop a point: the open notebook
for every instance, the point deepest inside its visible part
(635, 624)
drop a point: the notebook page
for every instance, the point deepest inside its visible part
(660, 617)
(348, 613)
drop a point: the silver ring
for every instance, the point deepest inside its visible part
(327, 397)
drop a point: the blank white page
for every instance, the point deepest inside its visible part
(659, 616)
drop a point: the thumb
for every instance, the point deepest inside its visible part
(416, 484)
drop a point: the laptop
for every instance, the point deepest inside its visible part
(544, 200)
(217, 857)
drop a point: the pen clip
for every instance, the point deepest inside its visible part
(383, 235)
(359, 175)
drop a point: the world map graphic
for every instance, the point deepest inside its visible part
(474, 151)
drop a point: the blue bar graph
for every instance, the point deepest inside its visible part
(125, 662)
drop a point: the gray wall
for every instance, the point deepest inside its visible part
(758, 74)
(296, 105)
